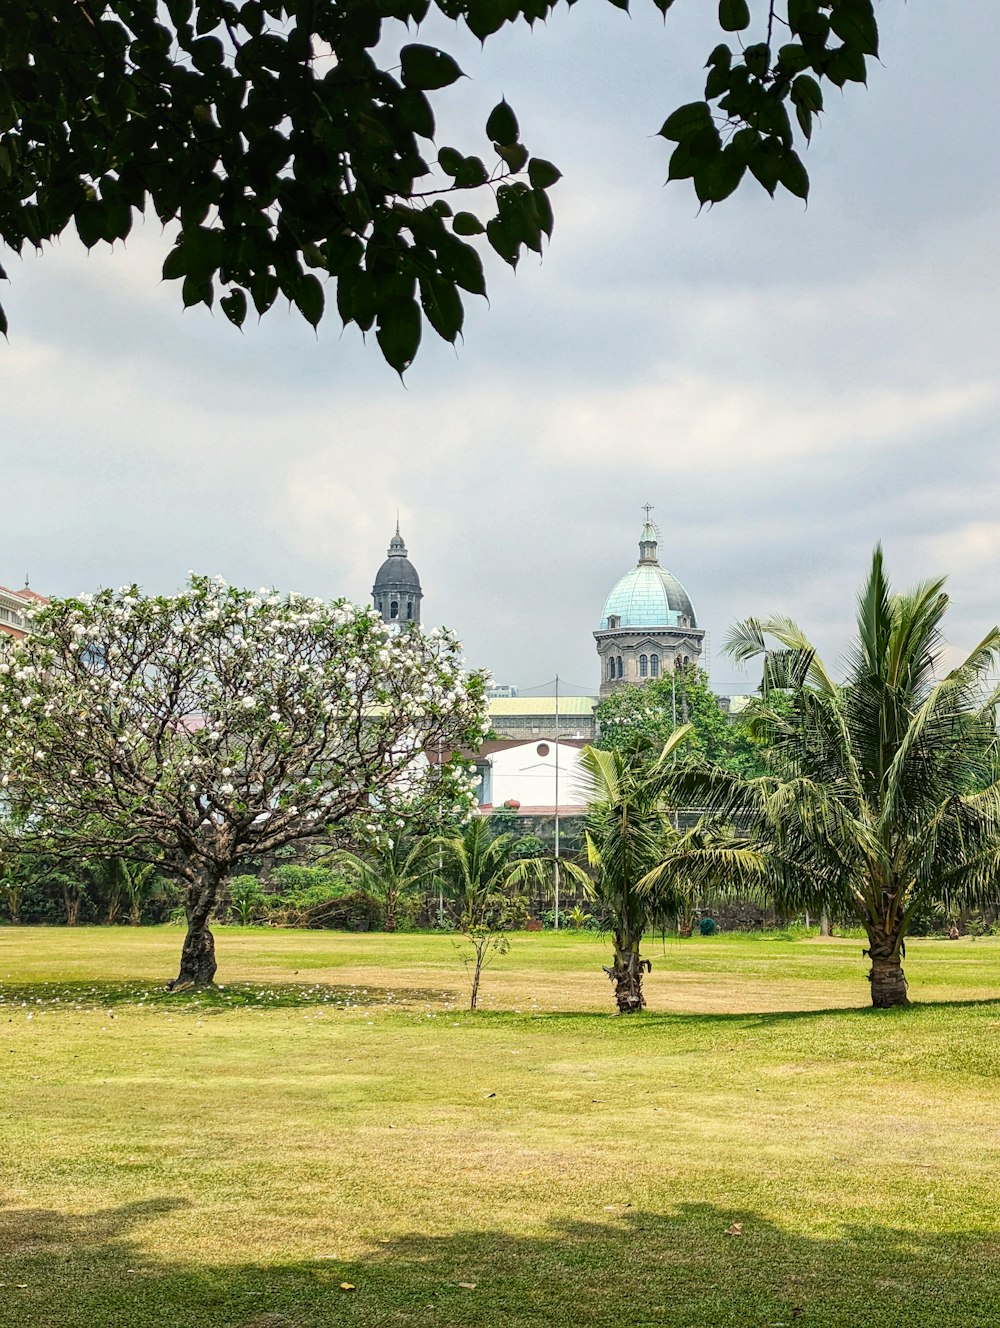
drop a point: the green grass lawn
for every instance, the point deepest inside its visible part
(758, 1149)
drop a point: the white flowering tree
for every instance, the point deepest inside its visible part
(221, 722)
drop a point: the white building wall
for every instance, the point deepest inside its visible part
(527, 773)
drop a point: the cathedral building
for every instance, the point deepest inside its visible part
(648, 627)
(396, 592)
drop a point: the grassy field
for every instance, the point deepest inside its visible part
(758, 1149)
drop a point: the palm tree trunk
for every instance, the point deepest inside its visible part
(888, 983)
(626, 974)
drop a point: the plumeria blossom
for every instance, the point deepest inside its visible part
(297, 716)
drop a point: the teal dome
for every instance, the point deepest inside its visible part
(648, 595)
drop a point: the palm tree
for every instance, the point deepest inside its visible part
(485, 880)
(628, 836)
(884, 796)
(390, 870)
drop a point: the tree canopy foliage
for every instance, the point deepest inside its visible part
(222, 722)
(656, 708)
(294, 144)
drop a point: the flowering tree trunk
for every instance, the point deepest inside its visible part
(198, 952)
(889, 986)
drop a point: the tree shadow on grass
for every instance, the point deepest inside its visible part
(92, 995)
(697, 1266)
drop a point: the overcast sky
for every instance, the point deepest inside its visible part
(785, 386)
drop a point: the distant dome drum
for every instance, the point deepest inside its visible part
(648, 626)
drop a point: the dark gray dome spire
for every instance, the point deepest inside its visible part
(396, 592)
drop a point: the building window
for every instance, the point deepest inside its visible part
(643, 666)
(620, 671)
(394, 609)
(611, 666)
(613, 622)
(654, 666)
(409, 608)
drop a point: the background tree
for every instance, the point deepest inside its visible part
(655, 709)
(218, 724)
(290, 142)
(389, 868)
(885, 797)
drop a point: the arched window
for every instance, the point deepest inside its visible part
(643, 666)
(611, 666)
(620, 666)
(679, 664)
(654, 666)
(394, 609)
(409, 608)
(687, 659)
(613, 621)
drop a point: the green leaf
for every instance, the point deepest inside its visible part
(501, 236)
(543, 209)
(854, 23)
(501, 126)
(466, 223)
(471, 174)
(462, 263)
(765, 165)
(808, 93)
(398, 333)
(515, 155)
(734, 15)
(206, 54)
(175, 264)
(89, 218)
(686, 121)
(719, 176)
(234, 306)
(197, 291)
(415, 112)
(450, 160)
(542, 174)
(427, 68)
(264, 291)
(793, 175)
(309, 298)
(443, 306)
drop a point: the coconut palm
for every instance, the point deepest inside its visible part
(884, 796)
(629, 835)
(390, 870)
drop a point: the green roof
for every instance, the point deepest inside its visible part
(542, 705)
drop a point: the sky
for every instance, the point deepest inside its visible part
(785, 385)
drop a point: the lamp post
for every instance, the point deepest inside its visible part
(555, 917)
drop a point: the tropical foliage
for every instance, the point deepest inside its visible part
(885, 797)
(291, 143)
